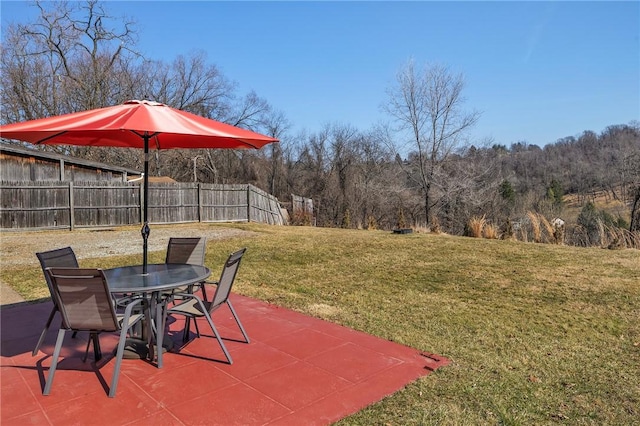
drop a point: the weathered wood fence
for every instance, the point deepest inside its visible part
(69, 205)
(302, 210)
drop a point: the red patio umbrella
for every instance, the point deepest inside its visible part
(135, 124)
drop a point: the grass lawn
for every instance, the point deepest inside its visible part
(537, 334)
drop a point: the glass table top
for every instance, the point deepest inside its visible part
(161, 276)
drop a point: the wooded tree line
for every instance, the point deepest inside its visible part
(419, 170)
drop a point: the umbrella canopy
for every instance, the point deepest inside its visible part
(135, 124)
(126, 126)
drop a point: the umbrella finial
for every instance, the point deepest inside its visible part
(143, 102)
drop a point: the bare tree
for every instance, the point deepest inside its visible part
(427, 106)
(75, 56)
(377, 181)
(190, 83)
(343, 158)
(65, 61)
(277, 126)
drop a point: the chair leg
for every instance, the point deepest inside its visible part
(121, 344)
(159, 330)
(97, 352)
(116, 370)
(235, 316)
(204, 292)
(195, 323)
(187, 329)
(54, 362)
(44, 331)
(86, 351)
(215, 333)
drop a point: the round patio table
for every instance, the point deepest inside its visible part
(160, 278)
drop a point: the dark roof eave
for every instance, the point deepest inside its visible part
(67, 159)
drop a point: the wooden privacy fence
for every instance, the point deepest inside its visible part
(69, 205)
(302, 210)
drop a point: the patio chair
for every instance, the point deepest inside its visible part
(85, 304)
(63, 257)
(194, 307)
(190, 250)
(186, 250)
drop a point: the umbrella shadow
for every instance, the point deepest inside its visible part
(70, 364)
(21, 324)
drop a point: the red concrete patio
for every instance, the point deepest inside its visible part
(296, 370)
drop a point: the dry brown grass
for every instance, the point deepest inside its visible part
(535, 226)
(476, 225)
(434, 225)
(542, 231)
(548, 229)
(491, 231)
(613, 237)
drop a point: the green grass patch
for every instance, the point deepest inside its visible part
(537, 334)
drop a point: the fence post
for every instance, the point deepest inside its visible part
(72, 214)
(248, 203)
(199, 202)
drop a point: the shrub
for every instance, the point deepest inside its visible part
(508, 232)
(491, 231)
(614, 237)
(346, 219)
(401, 221)
(588, 217)
(622, 223)
(535, 226)
(599, 228)
(301, 218)
(558, 230)
(548, 228)
(508, 194)
(555, 194)
(372, 223)
(435, 225)
(476, 225)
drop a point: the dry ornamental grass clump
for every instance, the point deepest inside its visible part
(535, 226)
(491, 231)
(476, 225)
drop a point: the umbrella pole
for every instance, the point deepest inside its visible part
(145, 226)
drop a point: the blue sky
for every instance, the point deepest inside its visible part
(537, 71)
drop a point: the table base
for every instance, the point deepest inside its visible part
(139, 349)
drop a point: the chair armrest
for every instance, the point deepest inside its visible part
(204, 290)
(187, 295)
(128, 311)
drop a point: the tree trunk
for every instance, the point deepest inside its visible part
(427, 209)
(635, 212)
